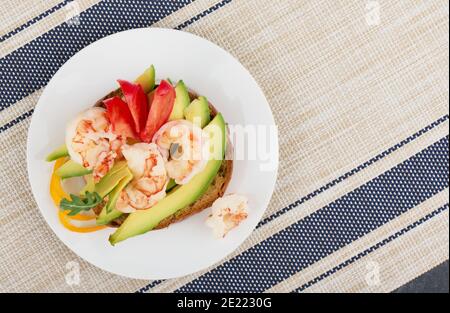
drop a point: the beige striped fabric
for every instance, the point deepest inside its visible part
(14, 14)
(346, 81)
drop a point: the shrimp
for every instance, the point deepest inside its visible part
(91, 143)
(150, 178)
(185, 148)
(227, 213)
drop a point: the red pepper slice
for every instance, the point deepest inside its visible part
(120, 117)
(160, 109)
(137, 103)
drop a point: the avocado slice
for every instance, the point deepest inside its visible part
(59, 152)
(109, 212)
(181, 102)
(143, 221)
(72, 169)
(170, 185)
(147, 79)
(198, 112)
(111, 179)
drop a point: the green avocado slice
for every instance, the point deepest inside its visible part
(111, 179)
(109, 212)
(71, 169)
(181, 102)
(59, 152)
(147, 79)
(198, 112)
(170, 185)
(143, 221)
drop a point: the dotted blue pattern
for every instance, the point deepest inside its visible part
(34, 20)
(32, 66)
(332, 227)
(372, 249)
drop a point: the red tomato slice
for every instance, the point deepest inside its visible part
(160, 109)
(137, 103)
(120, 117)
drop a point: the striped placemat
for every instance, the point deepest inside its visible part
(359, 90)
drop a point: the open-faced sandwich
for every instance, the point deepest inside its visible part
(150, 155)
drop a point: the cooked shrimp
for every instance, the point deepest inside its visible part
(91, 143)
(185, 147)
(227, 213)
(150, 178)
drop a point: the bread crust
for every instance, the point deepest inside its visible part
(215, 190)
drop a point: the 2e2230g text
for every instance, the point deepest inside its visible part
(246, 302)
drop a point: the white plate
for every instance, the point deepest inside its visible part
(184, 247)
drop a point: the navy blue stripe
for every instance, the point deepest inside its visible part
(331, 228)
(30, 67)
(34, 20)
(203, 14)
(340, 179)
(372, 249)
(17, 120)
(150, 286)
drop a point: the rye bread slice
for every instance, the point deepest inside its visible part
(215, 190)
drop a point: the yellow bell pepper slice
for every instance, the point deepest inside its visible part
(57, 193)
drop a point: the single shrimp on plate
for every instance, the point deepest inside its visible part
(185, 148)
(227, 213)
(150, 178)
(91, 143)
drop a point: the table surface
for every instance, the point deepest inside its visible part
(433, 281)
(359, 91)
